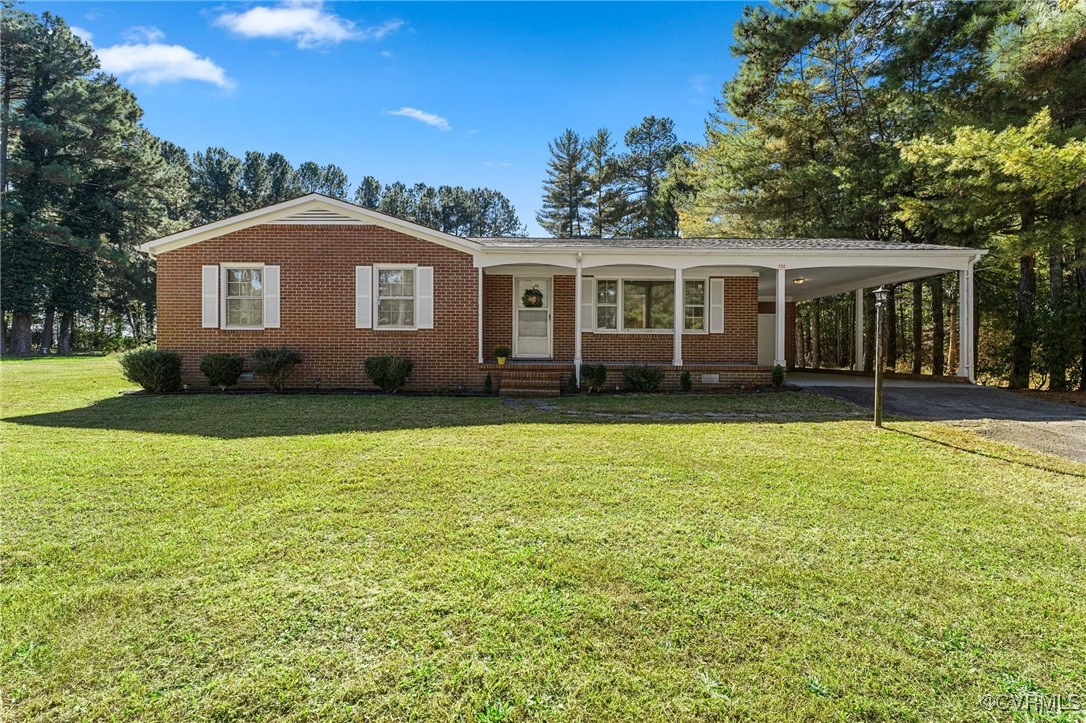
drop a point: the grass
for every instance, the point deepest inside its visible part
(342, 558)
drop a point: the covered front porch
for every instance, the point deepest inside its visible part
(720, 309)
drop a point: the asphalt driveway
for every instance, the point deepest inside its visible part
(998, 414)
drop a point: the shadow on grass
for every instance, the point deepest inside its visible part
(240, 416)
(989, 455)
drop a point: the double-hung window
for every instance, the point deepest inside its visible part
(243, 300)
(694, 301)
(648, 305)
(395, 298)
(607, 304)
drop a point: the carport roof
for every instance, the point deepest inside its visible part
(722, 244)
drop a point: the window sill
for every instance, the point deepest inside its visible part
(242, 328)
(646, 332)
(395, 328)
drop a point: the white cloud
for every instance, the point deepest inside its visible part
(155, 63)
(699, 83)
(305, 22)
(81, 33)
(497, 164)
(386, 53)
(422, 116)
(143, 34)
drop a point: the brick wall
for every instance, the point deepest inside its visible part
(317, 305)
(737, 345)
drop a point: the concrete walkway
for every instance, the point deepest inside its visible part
(999, 414)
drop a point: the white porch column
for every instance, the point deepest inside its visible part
(577, 301)
(778, 313)
(479, 304)
(858, 363)
(680, 319)
(965, 323)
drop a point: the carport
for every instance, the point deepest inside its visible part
(828, 267)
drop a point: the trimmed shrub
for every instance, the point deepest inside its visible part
(222, 370)
(488, 384)
(593, 376)
(685, 382)
(275, 365)
(156, 371)
(778, 376)
(642, 378)
(388, 372)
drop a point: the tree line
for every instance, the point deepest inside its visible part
(592, 191)
(950, 123)
(84, 183)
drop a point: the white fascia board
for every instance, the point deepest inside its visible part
(270, 214)
(949, 259)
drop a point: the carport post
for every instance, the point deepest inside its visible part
(577, 302)
(965, 323)
(778, 309)
(880, 302)
(858, 356)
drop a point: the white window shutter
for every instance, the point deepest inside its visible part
(716, 306)
(271, 297)
(210, 308)
(363, 297)
(424, 297)
(588, 305)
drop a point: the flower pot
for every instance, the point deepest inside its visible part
(501, 360)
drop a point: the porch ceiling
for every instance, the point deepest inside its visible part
(831, 280)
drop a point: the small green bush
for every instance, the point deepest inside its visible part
(501, 350)
(642, 378)
(156, 371)
(685, 382)
(571, 383)
(593, 376)
(388, 372)
(778, 376)
(274, 366)
(488, 384)
(222, 370)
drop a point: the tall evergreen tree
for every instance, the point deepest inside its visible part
(606, 204)
(652, 144)
(216, 185)
(565, 191)
(368, 193)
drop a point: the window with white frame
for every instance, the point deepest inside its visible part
(396, 298)
(607, 304)
(243, 300)
(648, 305)
(694, 301)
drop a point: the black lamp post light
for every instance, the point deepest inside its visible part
(881, 295)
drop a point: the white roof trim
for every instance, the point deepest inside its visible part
(306, 207)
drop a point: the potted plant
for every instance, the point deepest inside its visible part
(502, 352)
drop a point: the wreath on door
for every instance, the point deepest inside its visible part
(532, 298)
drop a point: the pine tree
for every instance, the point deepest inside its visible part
(216, 185)
(652, 144)
(565, 192)
(368, 193)
(606, 205)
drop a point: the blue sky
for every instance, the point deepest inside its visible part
(444, 93)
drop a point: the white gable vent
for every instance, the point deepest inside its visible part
(315, 216)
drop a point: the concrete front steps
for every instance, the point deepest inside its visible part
(530, 383)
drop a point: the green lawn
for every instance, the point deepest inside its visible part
(341, 558)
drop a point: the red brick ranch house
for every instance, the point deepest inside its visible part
(341, 283)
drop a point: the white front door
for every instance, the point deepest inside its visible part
(532, 317)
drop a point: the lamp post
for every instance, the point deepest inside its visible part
(880, 301)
